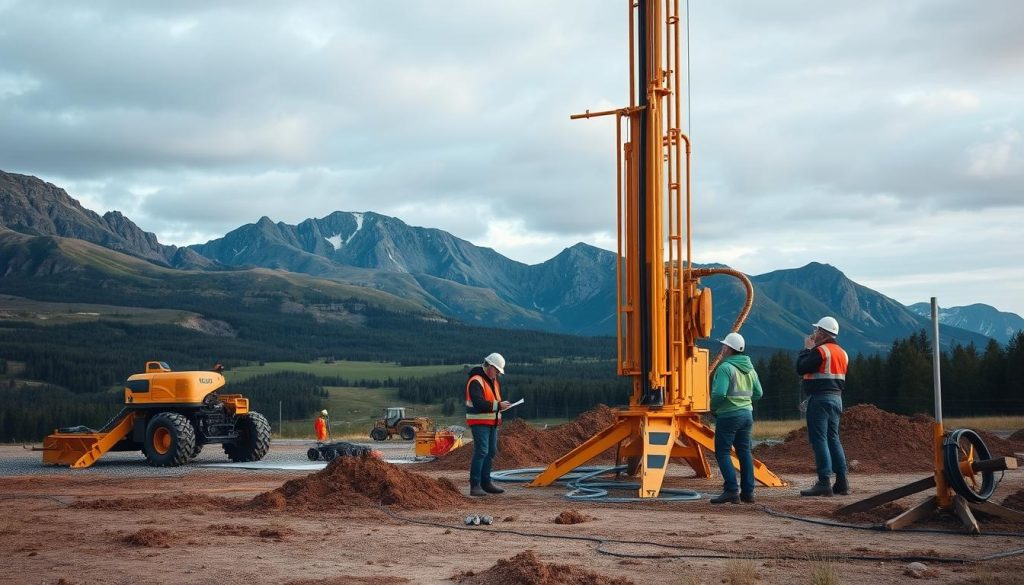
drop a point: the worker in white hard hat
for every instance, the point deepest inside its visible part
(823, 364)
(734, 387)
(483, 415)
(322, 426)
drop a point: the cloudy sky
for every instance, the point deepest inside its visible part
(884, 138)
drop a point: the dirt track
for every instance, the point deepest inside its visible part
(105, 528)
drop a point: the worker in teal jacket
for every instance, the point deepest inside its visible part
(734, 387)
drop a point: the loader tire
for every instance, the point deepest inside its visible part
(253, 440)
(197, 450)
(407, 432)
(170, 440)
(313, 454)
(378, 434)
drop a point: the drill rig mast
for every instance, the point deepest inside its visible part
(661, 311)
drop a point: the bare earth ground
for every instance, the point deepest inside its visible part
(132, 533)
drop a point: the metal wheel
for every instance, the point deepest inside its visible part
(378, 434)
(313, 454)
(407, 432)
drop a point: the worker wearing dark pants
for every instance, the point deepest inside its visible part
(483, 416)
(823, 365)
(734, 387)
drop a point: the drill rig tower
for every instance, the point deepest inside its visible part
(661, 310)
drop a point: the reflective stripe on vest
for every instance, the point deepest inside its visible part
(833, 363)
(740, 385)
(493, 395)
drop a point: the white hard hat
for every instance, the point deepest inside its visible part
(324, 412)
(735, 341)
(497, 361)
(828, 324)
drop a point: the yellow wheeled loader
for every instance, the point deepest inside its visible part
(169, 416)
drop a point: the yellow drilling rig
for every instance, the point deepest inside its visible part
(661, 308)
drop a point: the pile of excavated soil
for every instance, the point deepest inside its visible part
(877, 440)
(876, 515)
(526, 569)
(188, 501)
(1015, 500)
(360, 482)
(1018, 436)
(521, 445)
(571, 517)
(149, 537)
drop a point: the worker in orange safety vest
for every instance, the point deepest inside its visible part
(823, 364)
(483, 415)
(322, 426)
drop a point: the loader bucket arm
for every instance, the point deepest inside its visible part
(79, 450)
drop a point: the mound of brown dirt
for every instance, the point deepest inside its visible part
(1015, 500)
(526, 569)
(571, 517)
(189, 501)
(149, 537)
(521, 445)
(360, 482)
(877, 515)
(879, 441)
(1018, 436)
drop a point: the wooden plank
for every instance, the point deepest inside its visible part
(918, 512)
(889, 496)
(964, 512)
(997, 511)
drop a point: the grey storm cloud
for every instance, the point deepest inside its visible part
(813, 123)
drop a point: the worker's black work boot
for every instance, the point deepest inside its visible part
(841, 487)
(821, 488)
(747, 498)
(726, 498)
(492, 489)
(475, 490)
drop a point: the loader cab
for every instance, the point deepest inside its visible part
(155, 367)
(394, 414)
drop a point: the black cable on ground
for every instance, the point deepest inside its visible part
(34, 497)
(603, 542)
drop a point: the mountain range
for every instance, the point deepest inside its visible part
(405, 268)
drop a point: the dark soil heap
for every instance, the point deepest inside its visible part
(879, 441)
(571, 517)
(1018, 436)
(526, 569)
(149, 537)
(1015, 500)
(521, 445)
(361, 482)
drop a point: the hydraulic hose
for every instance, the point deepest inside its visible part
(702, 272)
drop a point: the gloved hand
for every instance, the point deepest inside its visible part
(803, 406)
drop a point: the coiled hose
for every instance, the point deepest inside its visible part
(951, 465)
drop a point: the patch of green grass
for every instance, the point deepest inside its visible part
(343, 369)
(47, 313)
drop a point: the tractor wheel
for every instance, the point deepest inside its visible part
(330, 455)
(378, 434)
(407, 432)
(253, 440)
(313, 454)
(170, 440)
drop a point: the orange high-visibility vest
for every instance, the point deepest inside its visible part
(491, 394)
(833, 363)
(321, 429)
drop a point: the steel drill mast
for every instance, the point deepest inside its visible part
(661, 310)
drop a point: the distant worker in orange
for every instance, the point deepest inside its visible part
(322, 425)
